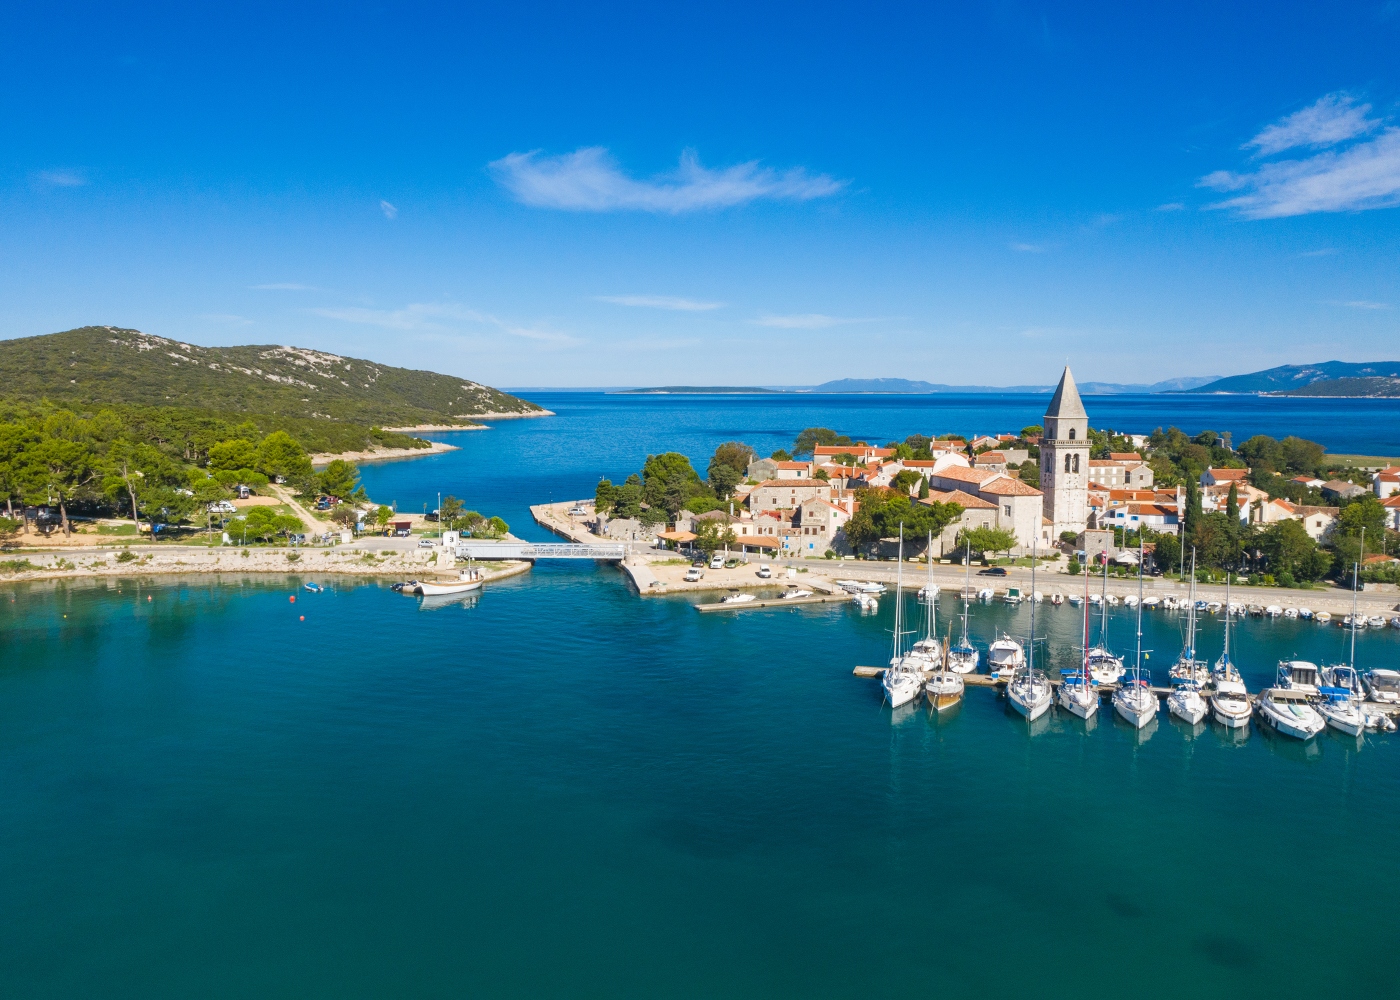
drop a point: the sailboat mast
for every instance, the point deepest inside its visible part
(1355, 580)
(1030, 662)
(1138, 668)
(967, 585)
(1103, 603)
(930, 621)
(1085, 667)
(1191, 618)
(898, 590)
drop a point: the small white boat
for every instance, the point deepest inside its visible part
(1288, 712)
(1301, 676)
(1229, 705)
(1290, 612)
(1151, 602)
(1273, 611)
(1057, 599)
(986, 594)
(1376, 719)
(847, 585)
(315, 588)
(1170, 603)
(1376, 621)
(1383, 686)
(871, 587)
(1037, 596)
(1130, 601)
(1112, 601)
(469, 580)
(1075, 600)
(1005, 656)
(866, 602)
(1186, 703)
(1013, 595)
(1305, 614)
(1395, 622)
(929, 593)
(795, 592)
(1322, 617)
(1213, 607)
(1095, 600)
(737, 598)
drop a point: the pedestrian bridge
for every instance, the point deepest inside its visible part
(541, 550)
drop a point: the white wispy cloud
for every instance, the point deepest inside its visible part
(286, 286)
(659, 302)
(1027, 248)
(1362, 175)
(1172, 206)
(806, 321)
(1324, 252)
(590, 180)
(1331, 119)
(61, 177)
(390, 212)
(441, 317)
(1362, 304)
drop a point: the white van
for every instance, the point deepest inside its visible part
(765, 572)
(717, 561)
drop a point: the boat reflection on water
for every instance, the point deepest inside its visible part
(899, 716)
(440, 601)
(1289, 748)
(1141, 734)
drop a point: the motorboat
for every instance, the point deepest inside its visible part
(1135, 701)
(794, 592)
(1229, 705)
(1095, 599)
(1322, 617)
(1029, 690)
(314, 588)
(1290, 612)
(1273, 611)
(1111, 600)
(1189, 669)
(1341, 712)
(866, 602)
(871, 587)
(1202, 607)
(1299, 675)
(1289, 712)
(467, 581)
(1395, 622)
(986, 594)
(1186, 702)
(1005, 656)
(1376, 621)
(1151, 602)
(1130, 601)
(929, 593)
(1037, 597)
(408, 588)
(738, 598)
(1376, 719)
(1013, 595)
(1213, 607)
(1170, 603)
(1382, 686)
(1305, 614)
(903, 680)
(1256, 610)
(1057, 599)
(1075, 600)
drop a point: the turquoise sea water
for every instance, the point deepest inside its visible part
(560, 789)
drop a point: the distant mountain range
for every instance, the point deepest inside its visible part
(1330, 378)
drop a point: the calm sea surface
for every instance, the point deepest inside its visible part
(562, 790)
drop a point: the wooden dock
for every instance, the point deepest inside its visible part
(774, 602)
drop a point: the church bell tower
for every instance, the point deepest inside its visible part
(1064, 459)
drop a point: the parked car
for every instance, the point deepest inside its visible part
(992, 571)
(765, 572)
(717, 562)
(425, 543)
(693, 575)
(578, 512)
(698, 564)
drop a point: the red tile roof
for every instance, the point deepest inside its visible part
(1010, 488)
(794, 465)
(964, 500)
(1228, 475)
(1124, 456)
(965, 475)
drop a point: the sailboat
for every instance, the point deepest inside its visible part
(1029, 690)
(1078, 693)
(902, 681)
(1224, 671)
(1187, 667)
(1104, 667)
(1135, 702)
(962, 657)
(1340, 707)
(929, 648)
(944, 687)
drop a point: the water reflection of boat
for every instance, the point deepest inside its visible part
(440, 601)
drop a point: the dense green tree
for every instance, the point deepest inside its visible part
(1366, 511)
(338, 479)
(813, 436)
(780, 456)
(1167, 553)
(1034, 430)
(734, 456)
(668, 481)
(711, 535)
(985, 540)
(234, 454)
(1288, 549)
(604, 496)
(280, 455)
(883, 511)
(723, 479)
(904, 479)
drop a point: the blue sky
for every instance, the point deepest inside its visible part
(783, 194)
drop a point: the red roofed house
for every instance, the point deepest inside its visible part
(1392, 512)
(977, 513)
(1224, 477)
(792, 470)
(1018, 504)
(1386, 483)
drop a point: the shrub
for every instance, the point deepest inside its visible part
(125, 556)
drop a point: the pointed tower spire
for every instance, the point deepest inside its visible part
(1066, 403)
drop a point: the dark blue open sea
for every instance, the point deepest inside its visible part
(563, 790)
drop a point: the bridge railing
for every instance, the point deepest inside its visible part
(541, 550)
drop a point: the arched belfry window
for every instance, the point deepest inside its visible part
(1066, 463)
(1076, 461)
(1071, 433)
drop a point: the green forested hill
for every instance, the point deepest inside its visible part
(97, 365)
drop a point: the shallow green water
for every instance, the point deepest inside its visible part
(563, 790)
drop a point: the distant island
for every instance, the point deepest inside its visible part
(695, 390)
(904, 385)
(1330, 378)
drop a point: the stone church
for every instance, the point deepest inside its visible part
(1064, 460)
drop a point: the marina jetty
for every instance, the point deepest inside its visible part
(654, 571)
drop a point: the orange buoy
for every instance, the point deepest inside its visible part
(303, 618)
(293, 598)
